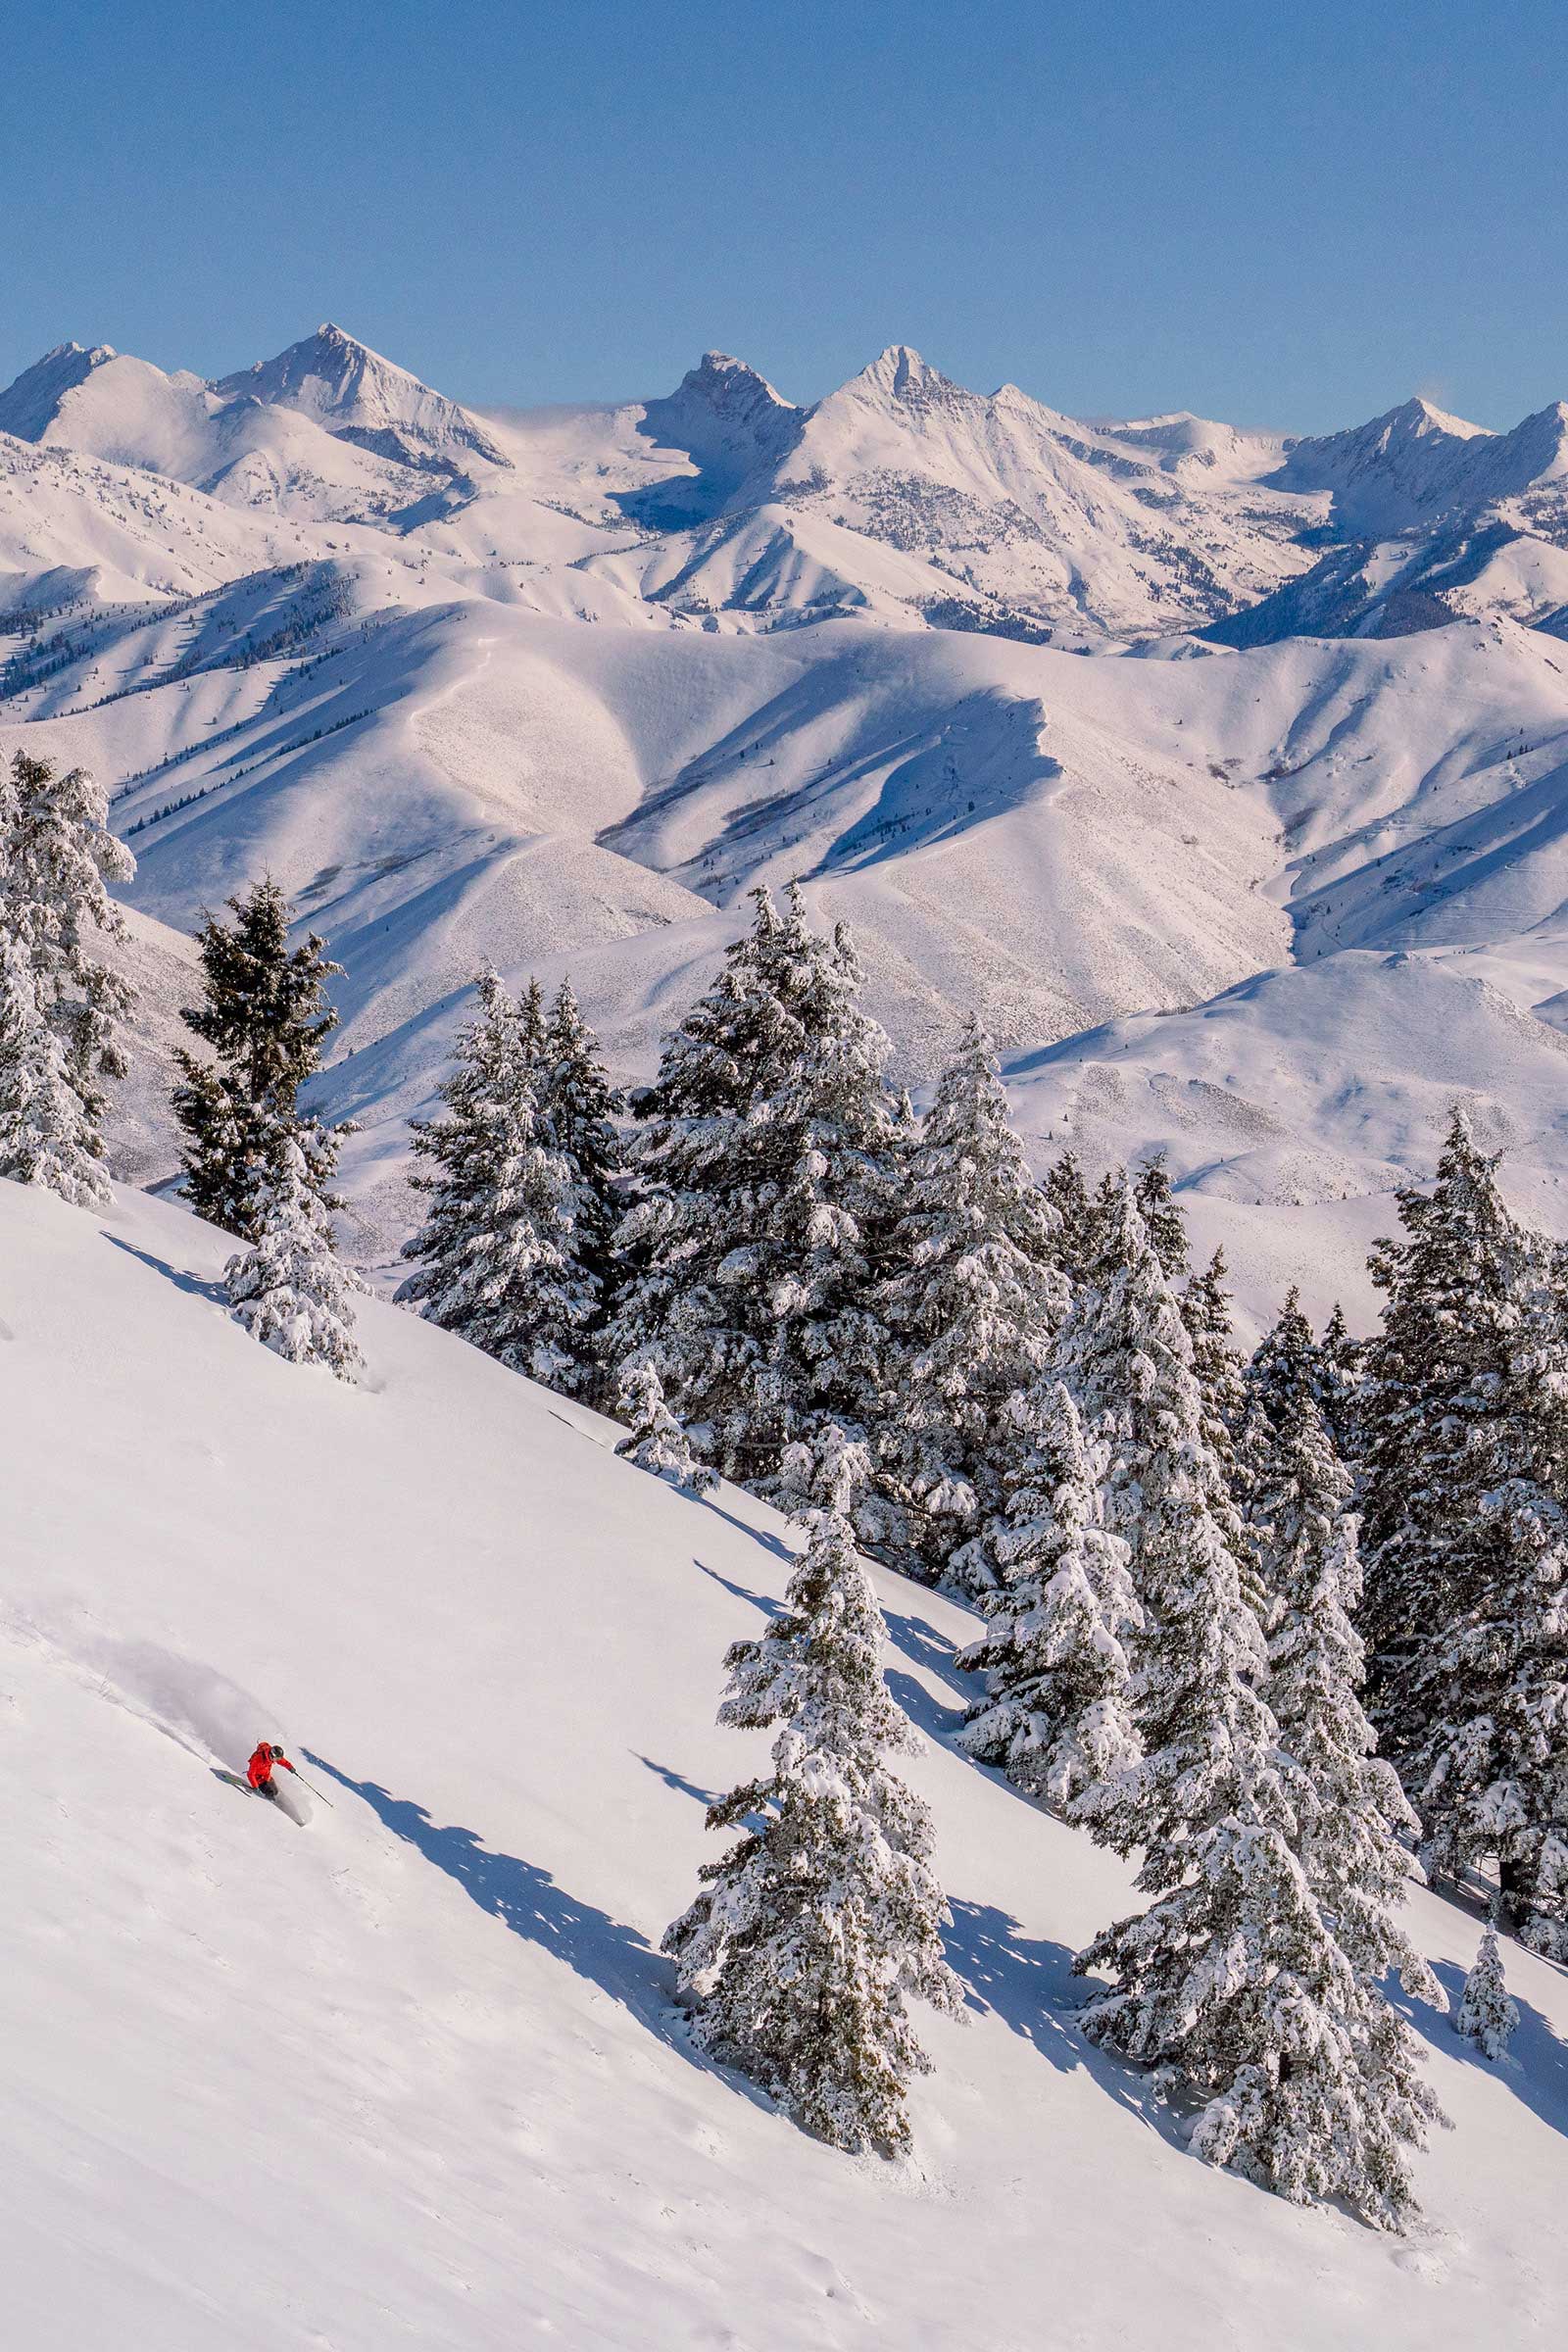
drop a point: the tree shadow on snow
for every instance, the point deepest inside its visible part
(1535, 2069)
(677, 1781)
(602, 1950)
(192, 1284)
(765, 1601)
(923, 1646)
(923, 1708)
(758, 1535)
(1029, 1983)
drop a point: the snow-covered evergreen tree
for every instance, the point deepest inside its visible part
(766, 1196)
(1217, 1367)
(1285, 1365)
(579, 1109)
(1284, 1368)
(1487, 2015)
(973, 1306)
(811, 1936)
(494, 1257)
(264, 1017)
(56, 854)
(290, 1290)
(1156, 1205)
(1216, 1360)
(1231, 1983)
(1077, 1216)
(533, 1026)
(1341, 1374)
(1127, 1355)
(46, 1133)
(59, 1005)
(1464, 1421)
(655, 1440)
(1055, 1714)
(1352, 1811)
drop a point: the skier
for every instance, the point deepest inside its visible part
(259, 1771)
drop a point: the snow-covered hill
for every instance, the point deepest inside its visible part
(412, 2076)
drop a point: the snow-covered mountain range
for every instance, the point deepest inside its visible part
(1080, 723)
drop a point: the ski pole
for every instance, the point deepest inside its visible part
(314, 1791)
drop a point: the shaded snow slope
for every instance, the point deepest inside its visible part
(411, 2076)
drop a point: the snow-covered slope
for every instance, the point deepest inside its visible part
(1430, 519)
(411, 2076)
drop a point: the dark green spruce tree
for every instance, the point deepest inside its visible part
(581, 1113)
(264, 1017)
(1464, 1421)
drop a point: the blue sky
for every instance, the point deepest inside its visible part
(1290, 216)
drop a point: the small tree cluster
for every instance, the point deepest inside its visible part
(515, 1253)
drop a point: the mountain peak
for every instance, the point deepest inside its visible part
(30, 405)
(727, 417)
(361, 396)
(900, 371)
(1418, 415)
(723, 379)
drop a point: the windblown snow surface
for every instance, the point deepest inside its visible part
(412, 2076)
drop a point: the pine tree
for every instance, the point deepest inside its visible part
(1488, 2016)
(1205, 1307)
(1077, 1212)
(1156, 1205)
(832, 1223)
(1466, 1477)
(1127, 1355)
(1284, 1368)
(57, 854)
(811, 1934)
(972, 1306)
(1341, 1374)
(46, 1134)
(766, 1193)
(1231, 1983)
(579, 1109)
(656, 1441)
(59, 1005)
(1216, 1361)
(1352, 1811)
(1055, 1714)
(290, 1290)
(264, 1017)
(494, 1257)
(533, 1026)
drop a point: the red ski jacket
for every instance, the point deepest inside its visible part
(260, 1767)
